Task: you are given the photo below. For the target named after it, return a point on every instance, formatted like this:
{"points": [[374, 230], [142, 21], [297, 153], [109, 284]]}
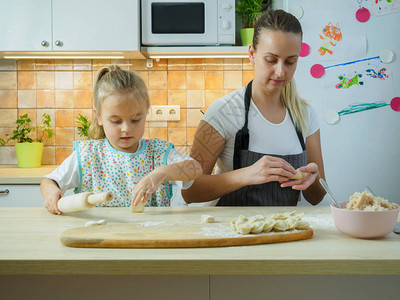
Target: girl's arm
{"points": [[207, 147], [51, 194], [183, 171]]}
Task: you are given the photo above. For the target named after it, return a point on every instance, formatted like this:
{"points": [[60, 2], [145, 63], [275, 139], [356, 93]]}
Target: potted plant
{"points": [[84, 124], [249, 11], [29, 151]]}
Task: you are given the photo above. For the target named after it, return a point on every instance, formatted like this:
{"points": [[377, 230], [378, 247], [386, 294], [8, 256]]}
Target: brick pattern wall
{"points": [[62, 88]]}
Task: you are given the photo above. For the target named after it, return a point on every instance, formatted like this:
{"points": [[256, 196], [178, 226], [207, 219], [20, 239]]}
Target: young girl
{"points": [[117, 159]]}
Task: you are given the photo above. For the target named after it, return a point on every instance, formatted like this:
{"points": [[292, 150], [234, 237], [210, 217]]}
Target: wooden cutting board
{"points": [[170, 235]]}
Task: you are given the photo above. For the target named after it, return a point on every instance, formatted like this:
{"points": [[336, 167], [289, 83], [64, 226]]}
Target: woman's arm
{"points": [[315, 193], [207, 146]]}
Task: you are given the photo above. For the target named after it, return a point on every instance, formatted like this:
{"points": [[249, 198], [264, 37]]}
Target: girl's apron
{"points": [[266, 194]]}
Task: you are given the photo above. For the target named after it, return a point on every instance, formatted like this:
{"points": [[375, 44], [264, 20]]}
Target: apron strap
{"points": [[299, 134], [242, 136]]}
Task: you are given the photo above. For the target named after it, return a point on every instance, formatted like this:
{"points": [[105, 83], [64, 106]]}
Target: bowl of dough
{"points": [[365, 216]]}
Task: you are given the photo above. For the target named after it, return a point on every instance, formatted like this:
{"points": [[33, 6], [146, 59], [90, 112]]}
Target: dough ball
{"points": [[292, 222], [298, 176], [281, 225], [257, 227], [241, 218], [256, 218], [302, 225], [268, 225], [244, 228], [139, 208], [207, 219]]}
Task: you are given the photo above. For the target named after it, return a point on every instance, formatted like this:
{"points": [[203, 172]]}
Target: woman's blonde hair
{"points": [[113, 80], [279, 20]]}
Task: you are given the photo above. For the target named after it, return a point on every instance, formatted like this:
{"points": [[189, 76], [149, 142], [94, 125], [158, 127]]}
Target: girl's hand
{"points": [[147, 186], [268, 168], [51, 202], [310, 174]]}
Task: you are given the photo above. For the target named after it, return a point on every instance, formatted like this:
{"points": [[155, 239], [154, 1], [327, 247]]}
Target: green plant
{"points": [[249, 11], [84, 124], [24, 127]]}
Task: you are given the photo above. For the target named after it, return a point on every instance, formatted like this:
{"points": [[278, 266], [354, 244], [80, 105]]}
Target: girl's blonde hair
{"points": [[113, 80], [279, 20]]}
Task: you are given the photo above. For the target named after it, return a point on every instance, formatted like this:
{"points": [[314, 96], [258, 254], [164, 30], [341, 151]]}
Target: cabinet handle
{"points": [[59, 43], [45, 43], [5, 192]]}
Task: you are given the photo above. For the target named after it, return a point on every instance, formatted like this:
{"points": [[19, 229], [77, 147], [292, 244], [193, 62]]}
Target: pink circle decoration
{"points": [[305, 50], [362, 15], [395, 104], [317, 70]]}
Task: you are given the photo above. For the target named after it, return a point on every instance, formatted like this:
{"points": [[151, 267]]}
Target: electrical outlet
{"points": [[164, 113], [158, 113], [173, 112]]}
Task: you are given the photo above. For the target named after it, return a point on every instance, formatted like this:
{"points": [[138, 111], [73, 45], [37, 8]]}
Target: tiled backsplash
{"points": [[63, 89]]}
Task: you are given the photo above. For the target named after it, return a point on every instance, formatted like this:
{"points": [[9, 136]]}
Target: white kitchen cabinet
{"points": [[25, 25], [74, 25], [22, 195]]}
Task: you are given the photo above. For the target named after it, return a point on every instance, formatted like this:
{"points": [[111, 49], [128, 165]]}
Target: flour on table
{"points": [[95, 223]]}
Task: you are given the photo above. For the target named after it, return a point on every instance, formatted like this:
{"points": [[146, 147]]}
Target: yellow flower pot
{"points": [[29, 155]]}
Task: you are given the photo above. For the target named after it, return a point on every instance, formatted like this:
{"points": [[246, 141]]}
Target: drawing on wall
{"points": [[332, 35], [346, 83], [379, 7], [377, 74]]}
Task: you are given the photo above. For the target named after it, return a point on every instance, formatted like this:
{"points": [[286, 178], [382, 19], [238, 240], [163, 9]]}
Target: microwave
{"points": [[188, 22]]}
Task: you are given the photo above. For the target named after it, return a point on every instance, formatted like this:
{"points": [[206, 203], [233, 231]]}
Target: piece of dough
{"points": [[281, 225], [276, 222], [302, 225], [244, 228], [257, 227], [139, 208], [207, 219], [256, 218], [298, 175], [95, 223], [268, 225], [292, 222]]}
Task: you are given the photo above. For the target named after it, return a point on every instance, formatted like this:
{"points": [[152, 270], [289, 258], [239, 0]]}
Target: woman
{"points": [[260, 135]]}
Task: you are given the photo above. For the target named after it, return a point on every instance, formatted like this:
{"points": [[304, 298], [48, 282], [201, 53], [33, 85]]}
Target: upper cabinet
{"points": [[69, 25]]}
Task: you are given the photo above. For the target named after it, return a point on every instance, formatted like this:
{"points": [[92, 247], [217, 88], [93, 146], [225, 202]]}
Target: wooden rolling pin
{"points": [[83, 201]]}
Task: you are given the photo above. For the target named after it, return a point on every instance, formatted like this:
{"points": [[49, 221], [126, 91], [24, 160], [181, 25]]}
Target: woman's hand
{"points": [[310, 174], [51, 202], [267, 169], [147, 186]]}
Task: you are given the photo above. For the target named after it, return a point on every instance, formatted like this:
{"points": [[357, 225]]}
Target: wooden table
{"points": [[29, 245]]}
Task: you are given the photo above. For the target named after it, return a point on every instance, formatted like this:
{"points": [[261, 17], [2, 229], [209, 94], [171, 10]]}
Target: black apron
{"points": [[266, 194]]}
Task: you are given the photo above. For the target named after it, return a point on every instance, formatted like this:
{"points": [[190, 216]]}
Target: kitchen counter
{"points": [[30, 245], [11, 174]]}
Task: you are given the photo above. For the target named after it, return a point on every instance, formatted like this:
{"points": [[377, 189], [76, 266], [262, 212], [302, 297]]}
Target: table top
{"points": [[11, 174], [29, 244]]}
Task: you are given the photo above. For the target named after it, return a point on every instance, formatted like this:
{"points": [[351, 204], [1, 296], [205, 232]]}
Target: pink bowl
{"points": [[364, 224]]}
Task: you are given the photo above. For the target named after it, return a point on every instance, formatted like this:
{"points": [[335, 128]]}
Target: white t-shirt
{"points": [[67, 174], [227, 116]]}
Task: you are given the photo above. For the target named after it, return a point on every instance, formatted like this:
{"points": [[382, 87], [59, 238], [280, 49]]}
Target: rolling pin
{"points": [[83, 201]]}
